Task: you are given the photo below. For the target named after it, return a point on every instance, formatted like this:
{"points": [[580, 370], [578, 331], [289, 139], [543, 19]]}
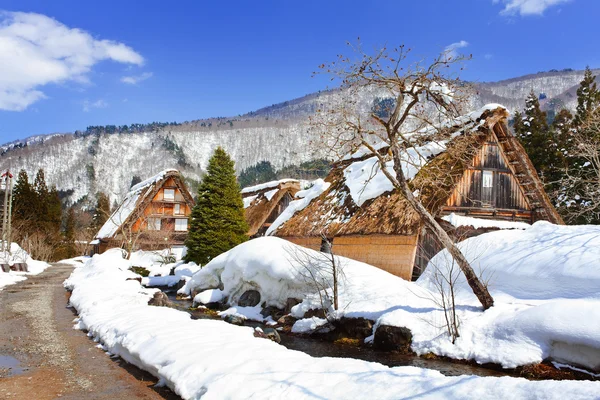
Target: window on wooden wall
{"points": [[487, 187], [154, 224], [181, 225], [177, 209], [169, 194]]}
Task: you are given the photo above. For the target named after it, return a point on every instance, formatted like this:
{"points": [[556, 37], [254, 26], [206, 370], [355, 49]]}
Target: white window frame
{"points": [[170, 197], [154, 224], [178, 222], [177, 209], [487, 179]]}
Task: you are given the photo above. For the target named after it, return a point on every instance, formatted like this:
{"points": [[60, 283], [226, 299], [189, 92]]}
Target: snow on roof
{"points": [[304, 197], [267, 185], [137, 192], [366, 180], [460, 220]]}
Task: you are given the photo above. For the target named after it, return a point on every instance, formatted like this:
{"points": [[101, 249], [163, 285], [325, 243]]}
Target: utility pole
{"points": [[7, 212]]}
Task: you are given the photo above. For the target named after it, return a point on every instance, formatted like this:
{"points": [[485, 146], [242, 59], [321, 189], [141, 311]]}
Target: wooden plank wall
{"points": [[505, 192], [394, 254]]}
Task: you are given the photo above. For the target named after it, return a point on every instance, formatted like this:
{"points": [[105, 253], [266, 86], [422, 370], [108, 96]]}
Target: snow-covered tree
{"points": [[588, 98]]}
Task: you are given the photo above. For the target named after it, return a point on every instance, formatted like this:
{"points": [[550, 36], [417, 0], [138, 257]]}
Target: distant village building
{"points": [[485, 182], [154, 213], [265, 202]]}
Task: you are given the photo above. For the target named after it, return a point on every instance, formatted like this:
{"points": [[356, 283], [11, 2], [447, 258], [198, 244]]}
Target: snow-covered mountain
{"points": [[81, 165]]}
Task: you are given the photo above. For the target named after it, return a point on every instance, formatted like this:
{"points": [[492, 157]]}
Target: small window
{"points": [[181, 225], [169, 194], [487, 179], [154, 224], [177, 209]]}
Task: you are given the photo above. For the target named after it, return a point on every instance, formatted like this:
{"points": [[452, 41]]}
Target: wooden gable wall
{"points": [[488, 188], [164, 208]]}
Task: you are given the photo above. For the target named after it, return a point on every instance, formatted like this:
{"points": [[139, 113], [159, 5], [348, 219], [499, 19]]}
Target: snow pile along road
{"points": [[18, 255], [214, 360]]}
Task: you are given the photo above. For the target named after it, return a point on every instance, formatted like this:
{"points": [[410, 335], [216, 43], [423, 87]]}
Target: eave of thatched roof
{"points": [[263, 202]]}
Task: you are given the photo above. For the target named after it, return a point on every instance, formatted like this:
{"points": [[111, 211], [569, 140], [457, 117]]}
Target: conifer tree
{"points": [[531, 128], [53, 218], [101, 212], [23, 199], [40, 205], [217, 222], [588, 97], [70, 233]]}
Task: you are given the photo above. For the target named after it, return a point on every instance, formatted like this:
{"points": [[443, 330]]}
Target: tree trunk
{"points": [[478, 288]]}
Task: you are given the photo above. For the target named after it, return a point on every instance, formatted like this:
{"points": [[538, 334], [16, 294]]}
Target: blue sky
{"points": [[66, 64]]}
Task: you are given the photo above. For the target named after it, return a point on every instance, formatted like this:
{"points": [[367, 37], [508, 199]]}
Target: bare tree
{"points": [[579, 190], [424, 100], [321, 270]]}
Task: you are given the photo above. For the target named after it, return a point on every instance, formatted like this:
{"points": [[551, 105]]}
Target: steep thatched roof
{"points": [[261, 200], [137, 199], [336, 212]]}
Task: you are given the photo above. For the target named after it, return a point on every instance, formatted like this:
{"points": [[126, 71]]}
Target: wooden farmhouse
{"points": [[154, 213], [265, 202], [479, 172]]}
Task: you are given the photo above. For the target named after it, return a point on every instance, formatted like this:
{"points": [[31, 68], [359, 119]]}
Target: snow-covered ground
{"points": [[18, 255], [544, 279], [213, 360]]}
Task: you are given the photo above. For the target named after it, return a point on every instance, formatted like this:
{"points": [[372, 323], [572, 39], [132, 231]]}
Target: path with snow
{"points": [[36, 328]]}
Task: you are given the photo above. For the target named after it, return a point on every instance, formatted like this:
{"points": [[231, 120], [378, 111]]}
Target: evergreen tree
{"points": [[259, 173], [101, 212], [70, 233], [23, 199], [217, 223], [531, 128], [41, 201], [588, 97], [53, 218]]}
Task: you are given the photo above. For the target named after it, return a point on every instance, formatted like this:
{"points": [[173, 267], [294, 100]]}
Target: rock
{"points": [[392, 338], [286, 320], [315, 312], [356, 328], [249, 298], [160, 299], [180, 284], [234, 319], [267, 333], [272, 311], [139, 279], [291, 302]]}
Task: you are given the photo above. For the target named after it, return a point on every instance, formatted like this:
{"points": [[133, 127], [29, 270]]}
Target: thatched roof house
{"points": [[265, 202], [479, 169], [154, 212]]}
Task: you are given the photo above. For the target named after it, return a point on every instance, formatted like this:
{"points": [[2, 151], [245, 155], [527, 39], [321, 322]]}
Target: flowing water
{"points": [[320, 348]]}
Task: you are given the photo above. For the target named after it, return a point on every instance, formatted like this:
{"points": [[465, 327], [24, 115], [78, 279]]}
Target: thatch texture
{"points": [[335, 214], [263, 205]]}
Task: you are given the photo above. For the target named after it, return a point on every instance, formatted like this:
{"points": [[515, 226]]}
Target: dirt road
{"points": [[55, 360]]}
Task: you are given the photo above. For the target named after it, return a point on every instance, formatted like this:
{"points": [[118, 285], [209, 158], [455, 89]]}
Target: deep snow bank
{"points": [[545, 281], [214, 360], [18, 255], [544, 261]]}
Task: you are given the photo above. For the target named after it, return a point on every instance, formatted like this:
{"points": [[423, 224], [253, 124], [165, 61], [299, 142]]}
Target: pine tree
{"points": [[101, 212], [23, 199], [588, 98], [40, 205], [217, 223], [531, 128], [53, 218], [70, 233]]}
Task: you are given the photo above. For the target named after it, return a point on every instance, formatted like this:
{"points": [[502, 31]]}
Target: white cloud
{"points": [[451, 51], [134, 80], [87, 105], [527, 7], [36, 50]]}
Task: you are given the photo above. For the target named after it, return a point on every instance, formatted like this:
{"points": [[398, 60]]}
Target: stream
{"points": [[319, 348]]}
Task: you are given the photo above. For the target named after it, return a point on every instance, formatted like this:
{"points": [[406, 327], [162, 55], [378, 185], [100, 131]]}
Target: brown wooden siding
{"points": [[392, 253], [489, 164]]}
